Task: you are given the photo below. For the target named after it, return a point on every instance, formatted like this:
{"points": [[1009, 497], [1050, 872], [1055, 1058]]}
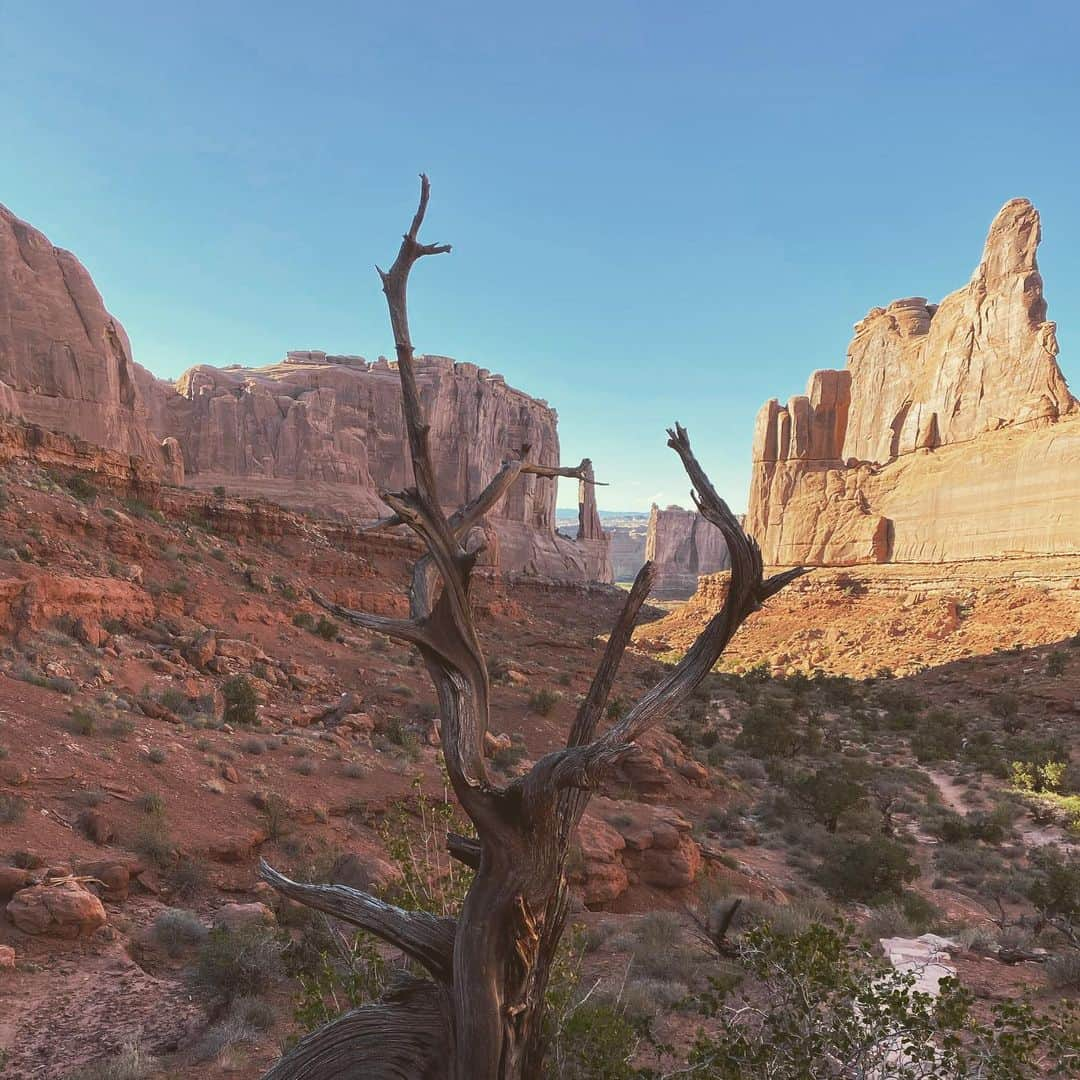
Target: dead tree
{"points": [[478, 1013]]}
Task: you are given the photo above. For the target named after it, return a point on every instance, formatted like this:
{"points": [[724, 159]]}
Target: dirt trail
{"points": [[1031, 834]]}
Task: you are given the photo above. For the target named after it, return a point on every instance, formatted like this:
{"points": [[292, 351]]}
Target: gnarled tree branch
{"points": [[406, 1036], [421, 936]]}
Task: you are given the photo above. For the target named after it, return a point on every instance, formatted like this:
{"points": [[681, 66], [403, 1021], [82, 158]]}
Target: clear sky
{"points": [[658, 211]]}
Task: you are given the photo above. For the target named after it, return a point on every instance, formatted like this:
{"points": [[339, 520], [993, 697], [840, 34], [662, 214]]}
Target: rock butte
{"points": [[951, 435], [316, 432], [683, 545]]}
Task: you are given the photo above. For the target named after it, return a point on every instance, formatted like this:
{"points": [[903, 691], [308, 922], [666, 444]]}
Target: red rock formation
{"points": [[931, 445], [65, 362], [314, 431], [683, 545]]}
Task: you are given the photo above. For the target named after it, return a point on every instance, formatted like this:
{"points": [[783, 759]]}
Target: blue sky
{"points": [[659, 212]]}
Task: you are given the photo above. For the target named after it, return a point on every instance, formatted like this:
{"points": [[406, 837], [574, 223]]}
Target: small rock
{"points": [[7, 958]]}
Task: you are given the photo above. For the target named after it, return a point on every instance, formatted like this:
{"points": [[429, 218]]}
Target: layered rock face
{"points": [[683, 545], [65, 362], [316, 432], [950, 435], [325, 433]]}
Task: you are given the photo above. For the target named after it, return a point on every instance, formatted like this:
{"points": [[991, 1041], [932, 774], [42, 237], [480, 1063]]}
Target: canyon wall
{"points": [[683, 545], [65, 362], [315, 432], [950, 435]]}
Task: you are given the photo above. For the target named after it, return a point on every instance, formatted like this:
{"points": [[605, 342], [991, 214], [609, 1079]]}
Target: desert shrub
{"points": [[786, 919], [121, 727], [413, 833], [543, 701], [939, 736], [1038, 777], [241, 702], [153, 841], [829, 793], [969, 863], [822, 1006], [131, 1062], [304, 620], [1004, 705], [176, 930], [151, 803], [82, 721], [12, 808], [186, 877], [253, 746], [81, 488], [157, 755], [326, 628], [588, 1036], [769, 732], [278, 815], [1063, 972], [1055, 885], [238, 963], [340, 976], [657, 946], [867, 870], [1055, 664]]}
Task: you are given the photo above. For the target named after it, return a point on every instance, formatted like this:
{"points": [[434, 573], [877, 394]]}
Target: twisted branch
{"points": [[421, 936]]}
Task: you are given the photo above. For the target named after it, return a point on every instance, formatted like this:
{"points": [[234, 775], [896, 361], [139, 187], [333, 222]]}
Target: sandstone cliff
{"points": [[950, 435], [683, 545], [315, 432], [65, 362]]}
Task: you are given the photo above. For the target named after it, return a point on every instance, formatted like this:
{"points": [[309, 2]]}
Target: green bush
{"points": [[1055, 664], [326, 628], [241, 703], [867, 871], [823, 1007], [543, 701], [769, 732], [828, 794], [238, 963], [176, 930]]}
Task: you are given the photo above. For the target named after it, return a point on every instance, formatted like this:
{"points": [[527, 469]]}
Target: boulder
{"points": [[12, 879], [96, 826], [235, 917], [364, 870], [600, 873], [65, 910], [111, 878]]}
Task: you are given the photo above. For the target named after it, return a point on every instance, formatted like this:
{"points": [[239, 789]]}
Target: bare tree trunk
{"points": [[479, 1014]]}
